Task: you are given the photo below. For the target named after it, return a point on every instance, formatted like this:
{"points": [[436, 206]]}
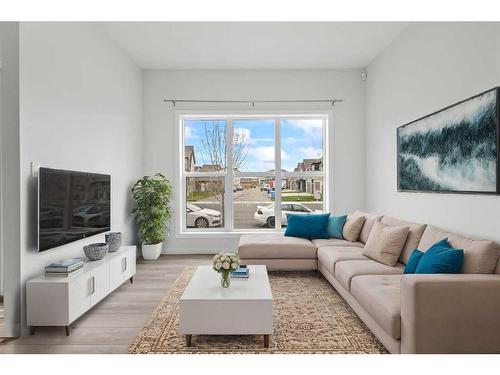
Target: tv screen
{"points": [[71, 206]]}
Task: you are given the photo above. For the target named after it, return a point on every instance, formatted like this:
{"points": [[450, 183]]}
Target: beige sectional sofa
{"points": [[457, 313]]}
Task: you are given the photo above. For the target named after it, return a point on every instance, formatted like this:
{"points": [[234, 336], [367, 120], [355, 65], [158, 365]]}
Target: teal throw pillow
{"points": [[441, 258], [335, 226], [412, 264], [312, 226]]}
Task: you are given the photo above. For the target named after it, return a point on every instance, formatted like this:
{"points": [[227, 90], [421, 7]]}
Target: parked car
{"points": [[198, 217], [265, 214]]}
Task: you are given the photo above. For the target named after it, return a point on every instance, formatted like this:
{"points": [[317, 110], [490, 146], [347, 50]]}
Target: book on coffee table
{"points": [[243, 272]]}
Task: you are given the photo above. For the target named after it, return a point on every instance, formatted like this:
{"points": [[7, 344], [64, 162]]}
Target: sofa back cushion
{"points": [[385, 243], [480, 256], [370, 219], [415, 232]]}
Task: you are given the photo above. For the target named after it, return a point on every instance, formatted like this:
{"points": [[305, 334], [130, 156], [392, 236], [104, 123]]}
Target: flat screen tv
{"points": [[71, 206]]}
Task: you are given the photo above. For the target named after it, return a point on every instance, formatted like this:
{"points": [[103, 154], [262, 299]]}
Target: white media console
{"points": [[59, 301]]}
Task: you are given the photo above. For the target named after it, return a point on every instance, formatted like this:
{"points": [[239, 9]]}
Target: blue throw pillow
{"points": [[307, 226], [412, 264], [335, 226], [441, 258]]}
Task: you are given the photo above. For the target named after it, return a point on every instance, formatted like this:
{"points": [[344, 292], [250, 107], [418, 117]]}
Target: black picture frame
{"points": [[497, 120]]}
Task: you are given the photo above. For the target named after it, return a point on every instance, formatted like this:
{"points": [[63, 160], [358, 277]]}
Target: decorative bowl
{"points": [[114, 241], [96, 251]]}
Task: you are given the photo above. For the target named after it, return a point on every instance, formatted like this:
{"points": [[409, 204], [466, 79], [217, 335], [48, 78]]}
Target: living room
{"points": [[249, 187]]}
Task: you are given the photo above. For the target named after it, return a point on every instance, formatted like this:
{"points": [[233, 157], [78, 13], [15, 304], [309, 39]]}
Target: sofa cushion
{"points": [[336, 226], [415, 233], [307, 226], [370, 219], [352, 227], [328, 256], [412, 264], [275, 245], [385, 243], [480, 256], [346, 270], [337, 242], [441, 258], [380, 296]]}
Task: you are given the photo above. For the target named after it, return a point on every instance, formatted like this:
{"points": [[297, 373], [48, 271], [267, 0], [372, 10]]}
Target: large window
{"points": [[246, 173]]}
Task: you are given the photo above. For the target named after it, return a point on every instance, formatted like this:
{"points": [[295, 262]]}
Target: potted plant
{"points": [[152, 195]]}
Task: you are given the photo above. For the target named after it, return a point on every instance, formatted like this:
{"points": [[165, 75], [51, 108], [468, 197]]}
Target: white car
{"points": [[265, 214], [202, 217]]}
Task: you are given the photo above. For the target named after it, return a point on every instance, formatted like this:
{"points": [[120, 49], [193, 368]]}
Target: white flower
{"points": [[226, 261]]}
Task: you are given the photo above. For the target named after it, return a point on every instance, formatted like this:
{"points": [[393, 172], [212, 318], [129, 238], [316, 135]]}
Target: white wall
{"points": [[428, 67], [347, 168], [1, 147], [81, 109], [10, 196]]}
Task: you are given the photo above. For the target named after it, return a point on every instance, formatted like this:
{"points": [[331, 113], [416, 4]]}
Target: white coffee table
{"points": [[245, 308]]}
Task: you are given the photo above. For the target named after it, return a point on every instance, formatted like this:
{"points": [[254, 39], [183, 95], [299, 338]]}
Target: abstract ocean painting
{"points": [[452, 150]]}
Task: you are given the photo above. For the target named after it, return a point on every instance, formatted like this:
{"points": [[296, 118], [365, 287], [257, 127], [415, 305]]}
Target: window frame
{"points": [[227, 230]]}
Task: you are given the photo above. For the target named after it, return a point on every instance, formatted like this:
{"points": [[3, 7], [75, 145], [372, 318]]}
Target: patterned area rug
{"points": [[309, 317]]}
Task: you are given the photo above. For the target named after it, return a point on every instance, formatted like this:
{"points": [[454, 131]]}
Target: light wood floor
{"points": [[112, 325]]}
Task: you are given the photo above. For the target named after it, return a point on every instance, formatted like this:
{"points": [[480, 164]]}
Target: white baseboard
{"points": [[13, 329], [190, 251]]}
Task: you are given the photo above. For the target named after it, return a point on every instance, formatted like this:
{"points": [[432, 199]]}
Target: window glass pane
{"points": [[205, 202], [253, 145], [301, 195], [253, 206], [302, 145], [205, 145]]}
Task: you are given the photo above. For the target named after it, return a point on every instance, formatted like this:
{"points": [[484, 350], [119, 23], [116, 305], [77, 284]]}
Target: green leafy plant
{"points": [[152, 195]]}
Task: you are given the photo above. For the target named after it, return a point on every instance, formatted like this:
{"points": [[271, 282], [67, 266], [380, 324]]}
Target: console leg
{"points": [[33, 330], [132, 280], [266, 341], [67, 330], [188, 340]]}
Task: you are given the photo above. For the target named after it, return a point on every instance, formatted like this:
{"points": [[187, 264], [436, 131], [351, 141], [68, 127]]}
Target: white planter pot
{"points": [[151, 252]]}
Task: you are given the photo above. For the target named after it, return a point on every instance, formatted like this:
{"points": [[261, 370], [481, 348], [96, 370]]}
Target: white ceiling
{"points": [[253, 45]]}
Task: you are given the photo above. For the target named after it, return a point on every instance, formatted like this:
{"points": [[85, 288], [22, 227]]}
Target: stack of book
{"points": [[65, 267], [242, 272]]}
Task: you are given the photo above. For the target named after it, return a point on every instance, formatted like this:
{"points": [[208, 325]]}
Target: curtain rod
{"points": [[252, 102]]}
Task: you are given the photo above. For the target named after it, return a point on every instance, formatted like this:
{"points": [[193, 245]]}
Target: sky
{"points": [[300, 139]]}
